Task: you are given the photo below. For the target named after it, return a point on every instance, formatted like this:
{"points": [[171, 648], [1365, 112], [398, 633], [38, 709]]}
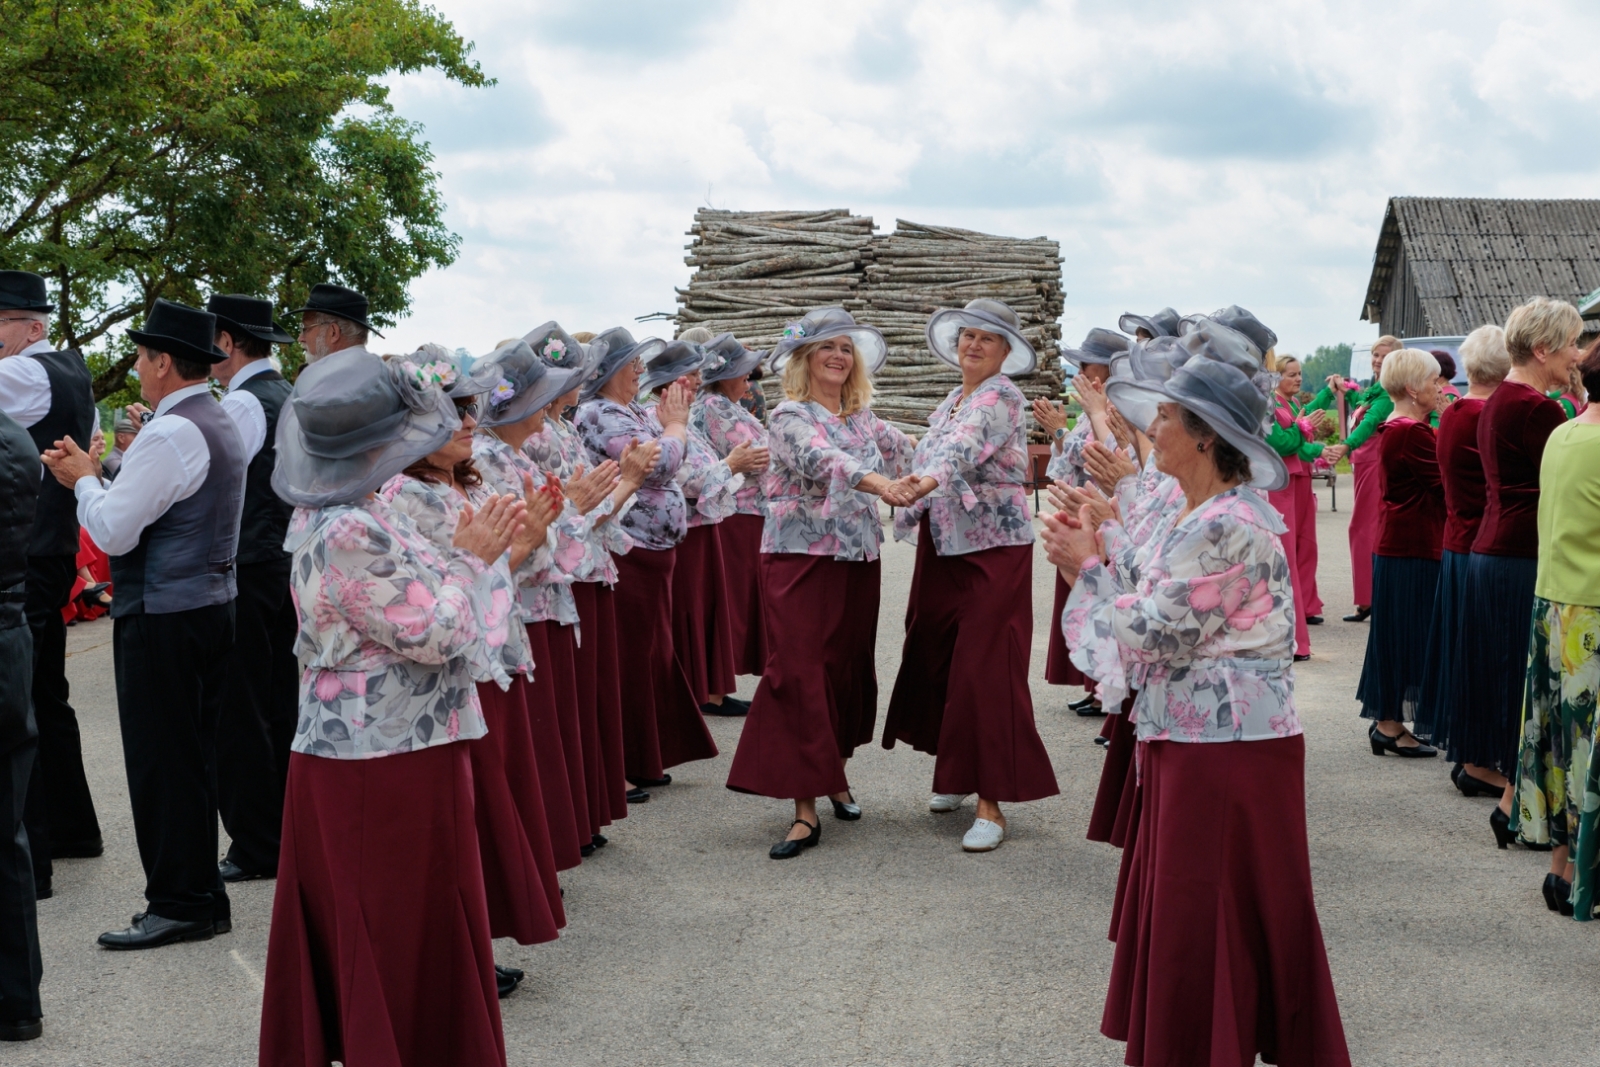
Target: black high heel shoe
{"points": [[788, 849], [1382, 743], [1477, 787], [1556, 891], [1500, 823], [847, 810]]}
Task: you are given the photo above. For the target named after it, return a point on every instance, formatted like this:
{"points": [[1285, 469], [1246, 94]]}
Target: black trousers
{"points": [[19, 930], [169, 689], [260, 706], [60, 811]]}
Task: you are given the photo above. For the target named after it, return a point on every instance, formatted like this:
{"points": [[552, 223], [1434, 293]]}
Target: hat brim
{"points": [[363, 323], [27, 307], [274, 334], [614, 360], [1131, 324], [1140, 400], [1080, 359], [871, 348], [655, 377], [734, 368], [556, 381], [177, 347], [944, 333]]}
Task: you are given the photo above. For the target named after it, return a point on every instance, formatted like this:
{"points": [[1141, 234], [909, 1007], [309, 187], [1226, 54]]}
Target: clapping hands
{"points": [[1070, 539], [1049, 415], [748, 459], [1107, 467], [587, 490], [488, 531], [673, 406]]}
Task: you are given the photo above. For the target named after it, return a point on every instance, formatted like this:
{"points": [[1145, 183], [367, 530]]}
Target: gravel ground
{"points": [[888, 944]]}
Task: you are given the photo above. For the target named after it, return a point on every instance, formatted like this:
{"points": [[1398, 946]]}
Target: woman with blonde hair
{"points": [[831, 459], [1542, 341]]}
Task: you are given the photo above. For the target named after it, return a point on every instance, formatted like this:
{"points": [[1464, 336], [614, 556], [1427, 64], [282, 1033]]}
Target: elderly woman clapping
{"points": [[962, 691], [1219, 879]]}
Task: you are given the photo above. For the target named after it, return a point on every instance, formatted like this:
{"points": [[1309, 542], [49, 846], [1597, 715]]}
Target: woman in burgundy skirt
{"points": [[832, 458], [1219, 953], [662, 726], [962, 691], [380, 937]]}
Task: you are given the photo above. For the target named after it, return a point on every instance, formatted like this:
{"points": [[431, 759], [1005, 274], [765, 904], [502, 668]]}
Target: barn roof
{"points": [[1473, 261]]}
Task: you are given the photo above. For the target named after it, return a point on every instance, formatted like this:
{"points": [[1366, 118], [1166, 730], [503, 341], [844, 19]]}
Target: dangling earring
{"points": [[1199, 448]]}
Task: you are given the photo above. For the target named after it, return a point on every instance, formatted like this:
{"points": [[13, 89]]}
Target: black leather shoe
{"points": [[232, 872], [1382, 743], [506, 981], [77, 850], [1298, 658], [1505, 836], [152, 931], [42, 889], [1477, 787], [637, 796], [1313, 620], [1079, 705], [515, 973], [847, 810], [1102, 740], [1093, 711], [585, 851], [1359, 615], [731, 707], [1556, 891], [218, 926], [786, 849], [20, 1029], [650, 783], [599, 840]]}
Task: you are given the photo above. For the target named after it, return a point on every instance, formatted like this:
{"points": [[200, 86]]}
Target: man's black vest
{"points": [[19, 495], [266, 516], [185, 558], [71, 414]]}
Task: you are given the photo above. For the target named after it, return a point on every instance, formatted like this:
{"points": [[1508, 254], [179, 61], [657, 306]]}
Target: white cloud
{"points": [[1194, 155]]}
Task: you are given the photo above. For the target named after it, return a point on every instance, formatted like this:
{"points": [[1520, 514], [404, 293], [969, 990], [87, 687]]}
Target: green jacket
{"points": [[1288, 441], [1379, 407]]}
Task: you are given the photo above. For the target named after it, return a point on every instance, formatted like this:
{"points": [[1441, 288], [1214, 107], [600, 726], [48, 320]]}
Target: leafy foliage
{"points": [[175, 148], [1329, 359]]}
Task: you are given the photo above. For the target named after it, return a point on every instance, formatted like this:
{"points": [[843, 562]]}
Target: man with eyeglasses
{"points": [[333, 320], [48, 392]]}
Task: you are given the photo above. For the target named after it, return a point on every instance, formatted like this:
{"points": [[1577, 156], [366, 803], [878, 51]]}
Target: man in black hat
{"points": [[260, 694], [170, 523], [49, 394], [334, 319]]}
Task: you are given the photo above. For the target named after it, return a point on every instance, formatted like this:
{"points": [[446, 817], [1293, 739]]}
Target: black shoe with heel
{"points": [[1477, 787], [847, 810], [1081, 705], [1382, 743], [1556, 891], [788, 849], [1359, 615]]}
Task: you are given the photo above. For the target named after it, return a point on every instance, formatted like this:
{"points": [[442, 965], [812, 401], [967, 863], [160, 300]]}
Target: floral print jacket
{"points": [[659, 516], [558, 449], [544, 581], [392, 632], [978, 453], [813, 507], [725, 426], [1067, 464], [1209, 622], [710, 488]]}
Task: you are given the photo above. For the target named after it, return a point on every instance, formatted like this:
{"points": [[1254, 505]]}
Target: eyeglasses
{"points": [[467, 408], [17, 318]]}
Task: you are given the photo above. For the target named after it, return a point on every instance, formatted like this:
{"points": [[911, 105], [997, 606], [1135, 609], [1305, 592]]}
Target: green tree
{"points": [[175, 148], [1329, 359]]}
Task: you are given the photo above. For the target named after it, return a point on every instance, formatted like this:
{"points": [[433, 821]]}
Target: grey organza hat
{"points": [[1240, 321], [619, 350], [822, 324], [434, 364], [1098, 347], [353, 422], [1224, 397], [524, 383], [727, 359], [669, 364], [992, 316], [1154, 360], [1163, 323], [556, 347]]}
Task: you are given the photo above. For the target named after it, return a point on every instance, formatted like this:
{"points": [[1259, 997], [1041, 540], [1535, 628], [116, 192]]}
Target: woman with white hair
{"points": [[961, 694], [1461, 469], [1542, 341], [1217, 894], [832, 460], [1405, 565]]}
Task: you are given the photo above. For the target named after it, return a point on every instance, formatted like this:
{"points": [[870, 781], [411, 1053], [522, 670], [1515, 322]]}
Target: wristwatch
{"points": [[1061, 433]]}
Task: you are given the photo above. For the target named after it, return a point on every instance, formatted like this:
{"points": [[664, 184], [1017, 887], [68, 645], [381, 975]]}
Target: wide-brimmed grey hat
{"points": [[1146, 361], [524, 383], [991, 316], [556, 347], [1214, 340], [672, 362], [727, 359], [620, 350], [1163, 323], [353, 422], [1098, 347], [1224, 397], [820, 324], [434, 364], [1241, 321]]}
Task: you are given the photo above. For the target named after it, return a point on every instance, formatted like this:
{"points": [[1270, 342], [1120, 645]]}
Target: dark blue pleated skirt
{"points": [[1403, 590], [1498, 608], [1446, 659]]}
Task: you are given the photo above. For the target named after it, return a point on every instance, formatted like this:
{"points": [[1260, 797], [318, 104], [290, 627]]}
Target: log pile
{"points": [[755, 271]]}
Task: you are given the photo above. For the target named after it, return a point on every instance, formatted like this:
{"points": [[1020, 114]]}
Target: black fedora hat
{"points": [[23, 291], [180, 331], [333, 299], [248, 314]]}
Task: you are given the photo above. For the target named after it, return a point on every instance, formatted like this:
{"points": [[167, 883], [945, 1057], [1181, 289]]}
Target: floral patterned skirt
{"points": [[1557, 780]]}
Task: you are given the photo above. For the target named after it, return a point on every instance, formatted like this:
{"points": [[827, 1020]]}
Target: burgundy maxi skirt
{"points": [[1365, 514], [741, 573], [564, 666], [379, 952], [1113, 800], [517, 867], [661, 722], [962, 691], [600, 700], [1058, 666], [818, 698], [544, 722], [1220, 954], [701, 638]]}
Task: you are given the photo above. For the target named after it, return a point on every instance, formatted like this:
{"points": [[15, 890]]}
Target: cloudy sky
{"points": [[1188, 154]]}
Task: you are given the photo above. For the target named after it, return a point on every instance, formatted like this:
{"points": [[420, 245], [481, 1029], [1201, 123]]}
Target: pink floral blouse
{"points": [[392, 632], [1208, 624], [658, 519], [725, 426], [558, 450], [544, 581], [813, 507], [1067, 464], [710, 488], [978, 453]]}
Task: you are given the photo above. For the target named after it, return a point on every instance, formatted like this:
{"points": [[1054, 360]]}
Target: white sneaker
{"points": [[943, 802], [985, 836]]}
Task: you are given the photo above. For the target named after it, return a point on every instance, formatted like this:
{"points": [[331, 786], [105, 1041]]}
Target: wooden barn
{"points": [[1445, 266]]}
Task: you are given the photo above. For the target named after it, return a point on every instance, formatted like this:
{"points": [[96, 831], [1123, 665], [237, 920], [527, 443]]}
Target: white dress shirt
{"points": [[25, 387], [166, 463], [245, 410]]}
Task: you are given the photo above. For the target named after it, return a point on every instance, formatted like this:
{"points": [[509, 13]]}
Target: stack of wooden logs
{"points": [[755, 271]]}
